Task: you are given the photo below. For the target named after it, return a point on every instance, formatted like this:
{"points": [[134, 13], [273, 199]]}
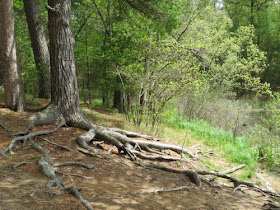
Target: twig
{"points": [[78, 175], [229, 171], [164, 190], [20, 164], [110, 150], [73, 163], [92, 154], [4, 127], [194, 146], [267, 183], [63, 147], [36, 190]]}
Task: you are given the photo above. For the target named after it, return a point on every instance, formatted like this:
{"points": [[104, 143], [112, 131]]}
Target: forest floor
{"points": [[114, 183]]}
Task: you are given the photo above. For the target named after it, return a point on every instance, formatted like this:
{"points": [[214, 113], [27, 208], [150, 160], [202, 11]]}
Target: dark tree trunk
{"points": [[39, 45], [118, 101], [14, 95], [64, 91]]}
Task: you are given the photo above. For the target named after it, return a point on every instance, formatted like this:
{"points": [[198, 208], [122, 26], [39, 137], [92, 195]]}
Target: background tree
{"points": [[39, 46], [264, 16], [14, 95]]}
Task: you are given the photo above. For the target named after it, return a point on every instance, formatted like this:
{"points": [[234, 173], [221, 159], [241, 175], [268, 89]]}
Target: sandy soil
{"points": [[114, 183]]}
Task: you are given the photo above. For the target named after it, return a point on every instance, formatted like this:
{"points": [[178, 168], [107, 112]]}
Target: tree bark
{"points": [[14, 95], [39, 46], [64, 91]]}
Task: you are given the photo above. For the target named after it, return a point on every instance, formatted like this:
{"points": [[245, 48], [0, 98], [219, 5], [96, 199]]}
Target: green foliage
{"points": [[264, 16], [266, 135], [24, 52], [236, 149]]}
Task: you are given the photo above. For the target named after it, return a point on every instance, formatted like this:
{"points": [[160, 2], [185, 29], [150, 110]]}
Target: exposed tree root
{"points": [[76, 192], [30, 135], [156, 157], [238, 182], [50, 115], [84, 140], [194, 177], [46, 168], [116, 137], [132, 134]]}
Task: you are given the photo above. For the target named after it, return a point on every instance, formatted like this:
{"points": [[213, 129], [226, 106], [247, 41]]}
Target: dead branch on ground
{"points": [[88, 166], [164, 190], [53, 143]]}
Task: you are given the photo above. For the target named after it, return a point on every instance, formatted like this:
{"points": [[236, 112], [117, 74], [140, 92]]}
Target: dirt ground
{"points": [[114, 183]]}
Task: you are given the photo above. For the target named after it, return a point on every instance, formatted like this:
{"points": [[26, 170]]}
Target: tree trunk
{"points": [[39, 45], [64, 91], [14, 95]]}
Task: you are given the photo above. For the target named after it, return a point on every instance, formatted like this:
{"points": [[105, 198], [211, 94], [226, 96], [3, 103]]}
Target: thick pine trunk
{"points": [[39, 46], [14, 95], [64, 91]]}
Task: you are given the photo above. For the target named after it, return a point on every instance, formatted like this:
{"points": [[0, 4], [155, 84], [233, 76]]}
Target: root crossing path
{"points": [[119, 149]]}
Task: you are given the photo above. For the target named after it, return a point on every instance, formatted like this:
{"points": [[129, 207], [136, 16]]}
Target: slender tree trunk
{"points": [[39, 45], [14, 95], [64, 91]]}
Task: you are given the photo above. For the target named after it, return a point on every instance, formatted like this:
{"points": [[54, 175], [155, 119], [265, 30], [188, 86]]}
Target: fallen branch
{"points": [[73, 163], [53, 143], [164, 190], [267, 183], [229, 171]]}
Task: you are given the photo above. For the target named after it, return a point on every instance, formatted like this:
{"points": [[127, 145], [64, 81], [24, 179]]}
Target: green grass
{"points": [[235, 149]]}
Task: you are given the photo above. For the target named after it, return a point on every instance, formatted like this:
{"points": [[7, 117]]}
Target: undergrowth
{"points": [[236, 149]]}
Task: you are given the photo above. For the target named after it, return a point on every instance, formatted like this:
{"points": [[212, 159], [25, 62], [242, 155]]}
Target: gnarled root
{"points": [[45, 166], [237, 182], [29, 136], [84, 140], [194, 177]]}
